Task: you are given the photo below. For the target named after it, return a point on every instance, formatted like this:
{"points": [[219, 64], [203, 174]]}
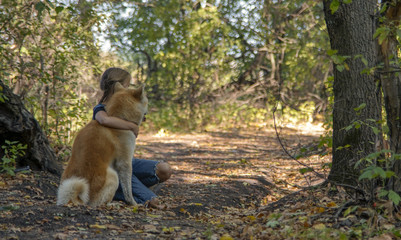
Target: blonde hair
{"points": [[109, 78]]}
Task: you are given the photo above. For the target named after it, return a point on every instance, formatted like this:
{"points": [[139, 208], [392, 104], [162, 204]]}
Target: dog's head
{"points": [[128, 104]]}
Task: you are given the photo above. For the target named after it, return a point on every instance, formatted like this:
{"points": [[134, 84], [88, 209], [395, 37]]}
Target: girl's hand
{"points": [[135, 129]]}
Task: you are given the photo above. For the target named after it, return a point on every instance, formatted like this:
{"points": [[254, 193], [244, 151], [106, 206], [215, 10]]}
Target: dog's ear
{"points": [[139, 93], [118, 87]]}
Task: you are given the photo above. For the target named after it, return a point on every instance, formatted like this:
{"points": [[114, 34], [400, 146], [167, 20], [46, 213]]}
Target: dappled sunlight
{"points": [[247, 156], [307, 128]]}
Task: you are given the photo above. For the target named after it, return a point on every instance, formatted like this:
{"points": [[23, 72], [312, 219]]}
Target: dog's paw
{"points": [[132, 202]]}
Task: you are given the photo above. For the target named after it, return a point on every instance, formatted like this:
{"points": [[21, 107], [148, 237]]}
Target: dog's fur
{"points": [[101, 155]]}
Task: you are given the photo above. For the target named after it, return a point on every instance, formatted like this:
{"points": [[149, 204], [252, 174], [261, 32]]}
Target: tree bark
{"points": [[18, 124], [351, 30]]}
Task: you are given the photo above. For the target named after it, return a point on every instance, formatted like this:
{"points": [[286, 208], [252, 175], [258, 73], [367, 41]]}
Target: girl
{"points": [[145, 173]]}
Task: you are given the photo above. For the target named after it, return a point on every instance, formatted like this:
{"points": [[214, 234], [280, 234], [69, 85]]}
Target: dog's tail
{"points": [[73, 190]]}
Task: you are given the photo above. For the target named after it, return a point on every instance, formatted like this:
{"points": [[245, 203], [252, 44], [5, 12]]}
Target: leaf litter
{"points": [[236, 184]]}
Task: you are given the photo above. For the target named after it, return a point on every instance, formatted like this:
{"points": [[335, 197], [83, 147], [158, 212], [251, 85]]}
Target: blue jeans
{"points": [[143, 177]]}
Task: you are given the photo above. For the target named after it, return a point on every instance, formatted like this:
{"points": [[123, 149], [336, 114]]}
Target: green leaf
{"points": [[360, 107], [347, 128], [347, 1], [378, 32], [366, 174], [398, 31], [59, 9], [382, 34], [350, 210], [379, 172], [383, 37], [10, 172], [305, 170], [331, 52], [383, 193], [364, 61], [272, 223], [394, 197], [375, 130], [390, 174], [40, 7], [6, 160], [340, 68], [334, 5]]}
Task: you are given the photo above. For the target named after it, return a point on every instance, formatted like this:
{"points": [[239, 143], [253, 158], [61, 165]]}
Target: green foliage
{"points": [[305, 170], [190, 52], [382, 33], [173, 117], [379, 167], [338, 60], [3, 98], [173, 32], [376, 167], [391, 195], [50, 53], [12, 151]]}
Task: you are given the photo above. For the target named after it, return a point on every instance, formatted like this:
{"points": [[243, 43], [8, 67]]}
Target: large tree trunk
{"points": [[18, 124], [351, 30]]}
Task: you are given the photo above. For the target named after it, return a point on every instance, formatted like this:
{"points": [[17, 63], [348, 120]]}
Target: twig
{"points": [[286, 151], [340, 209]]}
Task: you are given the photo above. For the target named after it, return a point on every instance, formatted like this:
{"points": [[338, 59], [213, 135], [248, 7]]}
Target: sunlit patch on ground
{"points": [[246, 155]]}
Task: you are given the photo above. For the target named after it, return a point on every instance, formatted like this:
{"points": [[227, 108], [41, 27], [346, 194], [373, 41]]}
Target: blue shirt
{"points": [[98, 108]]}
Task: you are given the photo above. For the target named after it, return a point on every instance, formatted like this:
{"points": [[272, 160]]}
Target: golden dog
{"points": [[101, 155]]}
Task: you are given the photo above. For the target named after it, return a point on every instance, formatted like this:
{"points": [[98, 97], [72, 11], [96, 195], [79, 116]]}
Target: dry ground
{"points": [[226, 185]]}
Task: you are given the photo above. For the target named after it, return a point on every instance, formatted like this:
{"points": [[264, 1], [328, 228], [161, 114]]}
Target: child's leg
{"points": [[151, 172], [140, 192]]}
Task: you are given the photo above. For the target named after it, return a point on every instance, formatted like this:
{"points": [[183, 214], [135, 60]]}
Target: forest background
{"points": [[206, 65], [221, 63]]}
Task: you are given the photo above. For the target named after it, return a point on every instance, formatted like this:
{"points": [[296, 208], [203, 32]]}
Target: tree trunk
{"points": [[351, 30], [391, 84], [18, 124]]}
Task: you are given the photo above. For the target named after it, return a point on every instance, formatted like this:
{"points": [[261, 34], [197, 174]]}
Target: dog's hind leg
{"points": [[108, 190]]}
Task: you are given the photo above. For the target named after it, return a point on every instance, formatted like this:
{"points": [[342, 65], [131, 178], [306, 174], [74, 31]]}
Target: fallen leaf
{"points": [[197, 204], [331, 204], [252, 218], [97, 226], [60, 236], [149, 228], [168, 230], [226, 236], [112, 227], [319, 226]]}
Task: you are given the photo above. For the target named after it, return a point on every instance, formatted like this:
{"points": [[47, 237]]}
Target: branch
{"points": [[286, 151]]}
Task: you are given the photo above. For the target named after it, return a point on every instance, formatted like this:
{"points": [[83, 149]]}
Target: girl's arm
{"points": [[113, 122]]}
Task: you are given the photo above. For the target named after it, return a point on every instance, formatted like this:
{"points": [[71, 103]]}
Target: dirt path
{"points": [[222, 182]]}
